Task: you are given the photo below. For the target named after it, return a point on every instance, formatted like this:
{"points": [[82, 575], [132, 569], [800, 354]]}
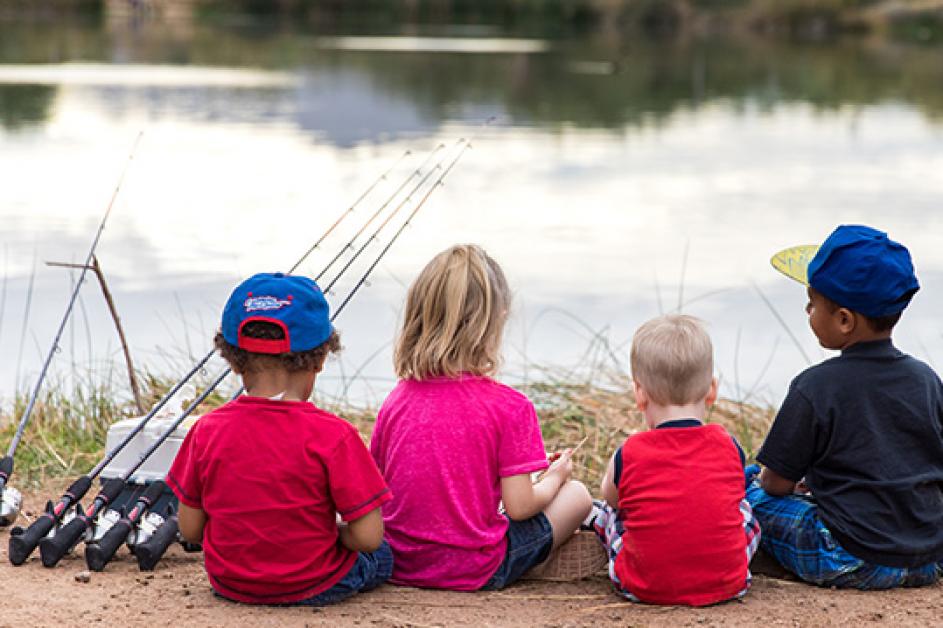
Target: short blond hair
{"points": [[454, 317], [673, 360]]}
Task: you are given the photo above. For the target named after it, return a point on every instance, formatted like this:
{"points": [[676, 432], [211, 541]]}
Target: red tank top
{"points": [[679, 500]]}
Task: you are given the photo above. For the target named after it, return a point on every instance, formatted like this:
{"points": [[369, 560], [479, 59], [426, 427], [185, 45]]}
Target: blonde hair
{"points": [[454, 317], [673, 360]]}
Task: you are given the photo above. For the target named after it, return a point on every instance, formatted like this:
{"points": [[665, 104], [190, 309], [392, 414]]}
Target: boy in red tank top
{"points": [[675, 523], [263, 479]]}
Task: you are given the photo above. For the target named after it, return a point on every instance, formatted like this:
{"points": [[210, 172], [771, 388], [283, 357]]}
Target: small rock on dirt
{"points": [[83, 577]]}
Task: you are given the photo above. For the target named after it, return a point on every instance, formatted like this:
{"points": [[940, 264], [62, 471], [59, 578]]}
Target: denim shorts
{"points": [[529, 544], [370, 571]]}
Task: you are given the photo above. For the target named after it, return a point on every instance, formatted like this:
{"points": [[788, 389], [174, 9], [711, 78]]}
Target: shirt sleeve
{"points": [[184, 475], [790, 445], [355, 482], [521, 447]]}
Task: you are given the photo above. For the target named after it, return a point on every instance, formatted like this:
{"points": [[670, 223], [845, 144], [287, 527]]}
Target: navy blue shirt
{"points": [[865, 429], [617, 457]]}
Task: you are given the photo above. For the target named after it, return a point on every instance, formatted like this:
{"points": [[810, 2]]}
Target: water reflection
{"points": [[624, 179], [26, 104], [590, 82]]}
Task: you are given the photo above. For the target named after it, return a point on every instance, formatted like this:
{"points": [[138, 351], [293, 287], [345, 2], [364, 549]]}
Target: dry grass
{"points": [[67, 432], [605, 412]]}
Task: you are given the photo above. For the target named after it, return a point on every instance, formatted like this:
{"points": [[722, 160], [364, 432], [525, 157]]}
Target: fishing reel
{"points": [[104, 522], [10, 503], [143, 531]]}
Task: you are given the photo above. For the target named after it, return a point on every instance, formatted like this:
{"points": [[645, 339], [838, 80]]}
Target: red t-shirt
{"points": [[679, 500], [270, 476]]}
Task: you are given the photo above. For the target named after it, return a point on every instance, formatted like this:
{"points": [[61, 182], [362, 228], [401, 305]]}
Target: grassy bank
{"points": [[66, 434]]}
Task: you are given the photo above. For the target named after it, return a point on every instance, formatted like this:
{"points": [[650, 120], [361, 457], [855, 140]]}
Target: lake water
{"points": [[621, 178]]}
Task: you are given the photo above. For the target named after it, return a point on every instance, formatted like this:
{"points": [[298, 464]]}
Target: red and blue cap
{"points": [[857, 267], [294, 303]]}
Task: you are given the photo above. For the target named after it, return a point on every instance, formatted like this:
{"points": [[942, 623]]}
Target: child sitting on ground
{"points": [[675, 523], [453, 442], [262, 479], [864, 430]]}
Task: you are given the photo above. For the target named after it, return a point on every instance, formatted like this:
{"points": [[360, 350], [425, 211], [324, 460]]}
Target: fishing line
{"points": [[22, 543], [6, 464], [53, 549]]}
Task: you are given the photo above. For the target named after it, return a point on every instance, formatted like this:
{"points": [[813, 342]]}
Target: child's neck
{"points": [[279, 384], [656, 414], [866, 336]]}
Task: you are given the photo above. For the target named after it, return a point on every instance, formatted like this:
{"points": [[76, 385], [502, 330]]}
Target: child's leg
{"points": [[795, 536], [531, 541], [568, 510], [609, 529]]}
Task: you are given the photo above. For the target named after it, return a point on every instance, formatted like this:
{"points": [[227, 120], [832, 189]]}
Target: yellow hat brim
{"points": [[794, 262]]}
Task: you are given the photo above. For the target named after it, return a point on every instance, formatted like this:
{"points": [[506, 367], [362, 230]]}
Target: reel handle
{"points": [[97, 555], [53, 549], [150, 551], [24, 540]]}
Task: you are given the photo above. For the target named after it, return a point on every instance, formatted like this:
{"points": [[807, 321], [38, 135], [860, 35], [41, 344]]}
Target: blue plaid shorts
{"points": [[795, 536]]}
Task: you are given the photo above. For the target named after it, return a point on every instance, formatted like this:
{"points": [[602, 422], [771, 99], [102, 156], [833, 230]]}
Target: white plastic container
{"points": [[158, 464]]}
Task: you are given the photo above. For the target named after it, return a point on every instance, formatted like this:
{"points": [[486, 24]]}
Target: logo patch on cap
{"points": [[265, 303]]}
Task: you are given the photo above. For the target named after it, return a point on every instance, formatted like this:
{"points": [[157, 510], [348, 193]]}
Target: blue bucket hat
{"points": [[857, 267], [294, 303]]}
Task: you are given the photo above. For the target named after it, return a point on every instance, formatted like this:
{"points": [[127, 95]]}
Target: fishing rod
{"points": [[149, 551], [24, 541], [53, 548], [353, 239], [10, 503]]}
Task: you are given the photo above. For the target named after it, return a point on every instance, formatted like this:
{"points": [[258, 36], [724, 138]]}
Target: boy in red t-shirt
{"points": [[676, 525], [263, 479]]}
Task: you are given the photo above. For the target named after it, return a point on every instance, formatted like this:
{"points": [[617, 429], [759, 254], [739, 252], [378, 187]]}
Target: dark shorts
{"points": [[529, 544], [369, 571]]}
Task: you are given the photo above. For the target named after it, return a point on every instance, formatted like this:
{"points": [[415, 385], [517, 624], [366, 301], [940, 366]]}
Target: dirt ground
{"points": [[177, 593]]}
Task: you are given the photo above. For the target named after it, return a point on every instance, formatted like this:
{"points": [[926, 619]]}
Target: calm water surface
{"points": [[621, 179]]}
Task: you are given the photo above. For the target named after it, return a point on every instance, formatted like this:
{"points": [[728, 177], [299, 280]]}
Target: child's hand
{"points": [[562, 466]]}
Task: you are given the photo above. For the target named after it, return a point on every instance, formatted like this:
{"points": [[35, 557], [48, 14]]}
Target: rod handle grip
{"points": [[151, 494], [6, 470], [97, 555], [53, 549], [150, 552], [24, 540]]}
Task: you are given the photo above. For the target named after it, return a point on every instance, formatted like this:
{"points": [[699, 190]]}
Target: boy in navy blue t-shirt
{"points": [[863, 431]]}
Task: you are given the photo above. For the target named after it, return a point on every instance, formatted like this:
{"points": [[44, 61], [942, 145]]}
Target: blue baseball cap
{"points": [[294, 303], [857, 267]]}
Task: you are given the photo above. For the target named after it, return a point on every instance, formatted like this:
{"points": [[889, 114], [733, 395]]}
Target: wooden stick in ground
{"points": [[132, 377]]}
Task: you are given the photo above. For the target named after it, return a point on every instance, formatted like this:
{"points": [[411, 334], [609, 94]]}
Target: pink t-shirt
{"points": [[443, 445]]}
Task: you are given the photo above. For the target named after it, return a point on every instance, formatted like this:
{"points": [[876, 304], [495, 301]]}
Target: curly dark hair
{"points": [[243, 361]]}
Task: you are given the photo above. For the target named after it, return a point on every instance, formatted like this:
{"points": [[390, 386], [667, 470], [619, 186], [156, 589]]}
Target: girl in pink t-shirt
{"points": [[453, 443]]}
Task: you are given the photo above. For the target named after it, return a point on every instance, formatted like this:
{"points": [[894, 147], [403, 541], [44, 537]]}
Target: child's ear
{"points": [[847, 320], [711, 397], [641, 397]]}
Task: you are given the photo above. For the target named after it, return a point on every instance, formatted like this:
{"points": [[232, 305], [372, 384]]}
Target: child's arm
{"points": [[523, 499], [363, 534], [775, 484], [608, 488], [191, 522]]}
